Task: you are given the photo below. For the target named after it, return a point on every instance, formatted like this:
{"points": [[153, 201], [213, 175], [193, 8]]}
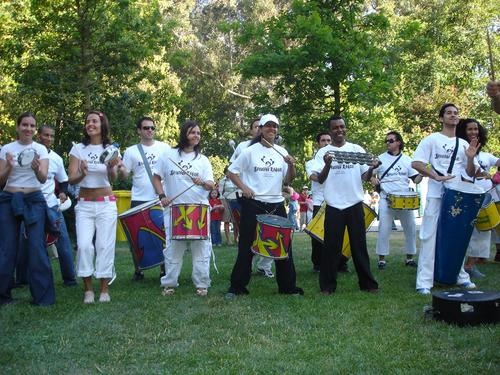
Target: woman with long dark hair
{"points": [[187, 179], [96, 212], [23, 169]]}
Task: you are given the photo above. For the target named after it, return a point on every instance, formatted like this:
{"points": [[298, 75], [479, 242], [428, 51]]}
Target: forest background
{"points": [[382, 64]]}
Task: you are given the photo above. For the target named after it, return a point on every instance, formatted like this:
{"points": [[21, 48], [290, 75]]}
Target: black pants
{"points": [[335, 222], [317, 246], [242, 270]]}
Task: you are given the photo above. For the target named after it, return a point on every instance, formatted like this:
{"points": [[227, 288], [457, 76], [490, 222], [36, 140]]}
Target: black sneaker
{"points": [[381, 264], [410, 263]]}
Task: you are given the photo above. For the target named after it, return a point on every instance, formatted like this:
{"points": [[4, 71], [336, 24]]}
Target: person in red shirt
{"points": [[216, 211], [303, 206]]}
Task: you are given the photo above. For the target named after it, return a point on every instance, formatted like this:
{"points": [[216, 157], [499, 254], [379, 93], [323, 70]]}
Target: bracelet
{"points": [[161, 196]]}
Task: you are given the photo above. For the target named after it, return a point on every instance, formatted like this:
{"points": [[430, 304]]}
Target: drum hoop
{"points": [[288, 224], [397, 194], [136, 209], [374, 213]]}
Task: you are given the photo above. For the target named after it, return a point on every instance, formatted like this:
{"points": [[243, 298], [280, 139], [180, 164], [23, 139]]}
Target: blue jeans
{"points": [[215, 232], [31, 209]]}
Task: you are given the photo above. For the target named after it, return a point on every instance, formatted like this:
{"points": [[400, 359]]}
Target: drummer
{"points": [[184, 167], [479, 245], [96, 212], [140, 160], [264, 265], [343, 193], [22, 200], [58, 173], [259, 172], [396, 170], [437, 149]]}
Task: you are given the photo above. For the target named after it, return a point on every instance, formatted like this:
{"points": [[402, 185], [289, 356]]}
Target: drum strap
{"points": [[145, 161], [452, 161], [392, 165]]}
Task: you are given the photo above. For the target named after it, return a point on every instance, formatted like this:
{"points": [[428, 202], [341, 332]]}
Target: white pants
{"points": [[479, 245], [201, 251], [428, 230], [97, 218], [386, 216], [264, 263]]}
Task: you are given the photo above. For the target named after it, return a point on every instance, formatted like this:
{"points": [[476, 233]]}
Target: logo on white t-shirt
{"points": [[448, 151], [268, 163], [186, 167], [151, 158], [93, 158]]}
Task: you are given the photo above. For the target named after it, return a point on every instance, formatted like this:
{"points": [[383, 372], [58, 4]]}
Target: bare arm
{"points": [[41, 168], [421, 168], [77, 170], [6, 167], [326, 169], [290, 173]]}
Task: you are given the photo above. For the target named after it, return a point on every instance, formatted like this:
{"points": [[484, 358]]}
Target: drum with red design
{"points": [[273, 236], [190, 222]]}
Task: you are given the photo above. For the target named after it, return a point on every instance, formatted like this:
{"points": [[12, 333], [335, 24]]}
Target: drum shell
{"points": [[190, 222], [316, 229], [273, 237], [488, 216], [464, 307], [143, 225], [454, 229], [403, 201]]}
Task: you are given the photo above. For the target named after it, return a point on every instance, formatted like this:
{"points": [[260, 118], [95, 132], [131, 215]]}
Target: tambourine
{"points": [[110, 153], [26, 156]]}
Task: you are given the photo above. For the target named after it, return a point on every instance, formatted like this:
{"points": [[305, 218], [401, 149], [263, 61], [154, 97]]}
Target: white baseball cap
{"points": [[268, 118]]}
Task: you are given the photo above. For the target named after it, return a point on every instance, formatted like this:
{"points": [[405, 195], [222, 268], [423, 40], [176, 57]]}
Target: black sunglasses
{"points": [[390, 140], [148, 128]]}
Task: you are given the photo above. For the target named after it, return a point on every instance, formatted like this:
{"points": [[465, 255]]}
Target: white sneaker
{"points": [[104, 297], [88, 297], [468, 285]]}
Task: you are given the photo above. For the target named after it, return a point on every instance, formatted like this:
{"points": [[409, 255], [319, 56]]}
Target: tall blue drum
{"points": [[460, 204]]}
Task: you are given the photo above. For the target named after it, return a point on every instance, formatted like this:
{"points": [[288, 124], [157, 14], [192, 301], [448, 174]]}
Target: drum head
{"points": [[26, 157], [139, 208], [64, 206], [275, 221], [464, 187]]}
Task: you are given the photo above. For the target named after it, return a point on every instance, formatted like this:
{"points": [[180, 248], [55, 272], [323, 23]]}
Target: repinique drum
{"points": [[404, 200], [460, 204], [316, 227], [111, 152], [488, 216], [143, 225], [190, 222], [273, 236]]}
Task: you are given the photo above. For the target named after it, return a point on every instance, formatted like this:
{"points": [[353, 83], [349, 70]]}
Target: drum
{"points": [[404, 200], [273, 236], [460, 205], [316, 227], [26, 156], [488, 216], [145, 231], [190, 222], [110, 153]]}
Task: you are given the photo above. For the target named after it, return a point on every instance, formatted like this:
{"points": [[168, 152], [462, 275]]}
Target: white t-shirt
{"points": [[437, 150], [142, 188], [343, 187], [398, 176], [316, 187], [97, 176], [23, 176], [262, 169], [239, 149], [486, 161], [56, 172], [175, 181]]}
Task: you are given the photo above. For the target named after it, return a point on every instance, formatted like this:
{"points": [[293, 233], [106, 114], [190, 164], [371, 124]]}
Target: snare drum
{"points": [[460, 205], [145, 231], [190, 222], [110, 153], [26, 156], [316, 227], [404, 200], [273, 236], [488, 216]]}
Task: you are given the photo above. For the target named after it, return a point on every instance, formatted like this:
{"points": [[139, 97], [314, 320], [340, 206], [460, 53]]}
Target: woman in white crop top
{"points": [[22, 201], [96, 212]]}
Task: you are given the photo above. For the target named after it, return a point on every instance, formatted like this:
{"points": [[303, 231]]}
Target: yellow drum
{"points": [[404, 200], [316, 227], [488, 216]]}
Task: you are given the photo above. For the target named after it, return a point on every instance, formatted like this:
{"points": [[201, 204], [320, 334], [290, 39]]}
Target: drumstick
{"points": [[274, 148], [182, 192], [490, 55]]}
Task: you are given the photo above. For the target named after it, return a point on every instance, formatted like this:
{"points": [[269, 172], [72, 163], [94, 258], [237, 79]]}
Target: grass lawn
{"points": [[349, 332]]}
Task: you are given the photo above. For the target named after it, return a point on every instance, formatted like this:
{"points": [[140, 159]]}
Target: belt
{"points": [[107, 198]]}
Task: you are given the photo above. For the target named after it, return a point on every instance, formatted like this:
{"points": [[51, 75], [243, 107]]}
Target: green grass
{"points": [[349, 332]]}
